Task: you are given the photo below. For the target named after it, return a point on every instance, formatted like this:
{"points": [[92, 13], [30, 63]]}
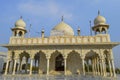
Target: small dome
{"points": [[63, 28], [99, 20], [20, 23]]}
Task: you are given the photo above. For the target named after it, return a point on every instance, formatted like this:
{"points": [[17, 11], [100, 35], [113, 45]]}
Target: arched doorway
{"points": [[40, 62], [74, 64], [59, 63], [92, 63], [56, 61], [24, 64]]}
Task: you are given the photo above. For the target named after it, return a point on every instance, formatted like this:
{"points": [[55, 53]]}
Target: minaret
{"points": [[62, 19], [78, 31], [19, 29], [42, 33], [100, 26]]}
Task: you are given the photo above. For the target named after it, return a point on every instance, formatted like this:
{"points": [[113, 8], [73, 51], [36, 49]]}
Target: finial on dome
{"points": [[90, 28], [78, 31], [78, 28], [42, 32], [43, 29], [62, 19], [98, 12], [21, 17]]}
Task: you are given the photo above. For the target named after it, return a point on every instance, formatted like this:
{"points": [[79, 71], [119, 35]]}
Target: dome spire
{"points": [[98, 12], [62, 18], [21, 17]]}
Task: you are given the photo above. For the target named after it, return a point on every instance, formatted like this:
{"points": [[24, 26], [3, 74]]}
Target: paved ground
{"points": [[37, 77]]}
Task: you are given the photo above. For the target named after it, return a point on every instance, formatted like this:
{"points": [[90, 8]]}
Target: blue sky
{"points": [[47, 13]]}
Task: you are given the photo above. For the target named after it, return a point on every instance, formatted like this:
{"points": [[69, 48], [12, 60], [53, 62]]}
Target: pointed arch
{"points": [[74, 59], [40, 61], [20, 33], [54, 57]]}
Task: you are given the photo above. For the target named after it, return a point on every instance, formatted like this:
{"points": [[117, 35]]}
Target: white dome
{"points": [[64, 28], [99, 20], [20, 23]]}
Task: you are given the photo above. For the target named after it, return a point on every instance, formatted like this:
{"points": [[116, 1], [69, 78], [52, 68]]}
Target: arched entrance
{"points": [[24, 62], [56, 62], [74, 64], [41, 62], [92, 63], [59, 63]]}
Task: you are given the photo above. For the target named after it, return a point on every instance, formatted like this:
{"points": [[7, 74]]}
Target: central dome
{"points": [[62, 29]]}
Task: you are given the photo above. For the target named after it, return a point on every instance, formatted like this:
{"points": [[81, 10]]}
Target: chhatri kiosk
{"points": [[61, 53]]}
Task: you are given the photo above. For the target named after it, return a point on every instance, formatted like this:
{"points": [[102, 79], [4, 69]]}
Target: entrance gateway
{"points": [[61, 51]]}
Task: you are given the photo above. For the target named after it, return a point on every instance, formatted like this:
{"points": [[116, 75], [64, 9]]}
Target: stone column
{"points": [[83, 66], [93, 67], [48, 65], [112, 63], [110, 69], [103, 67], [48, 62], [98, 72], [6, 70], [15, 62], [65, 64], [113, 68], [31, 64], [20, 65], [31, 61]]}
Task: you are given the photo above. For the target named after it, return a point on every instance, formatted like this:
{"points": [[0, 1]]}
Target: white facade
{"points": [[61, 53]]}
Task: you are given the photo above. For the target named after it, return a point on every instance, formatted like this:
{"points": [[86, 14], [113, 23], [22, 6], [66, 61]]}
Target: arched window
{"points": [[103, 30], [20, 33]]}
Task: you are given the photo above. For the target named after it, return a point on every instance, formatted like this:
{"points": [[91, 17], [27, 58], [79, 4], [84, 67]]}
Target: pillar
{"points": [[113, 68], [6, 70], [112, 63], [93, 67], [83, 66], [98, 72], [48, 65], [31, 64], [20, 65], [65, 65], [103, 67], [110, 69], [14, 69], [15, 62]]}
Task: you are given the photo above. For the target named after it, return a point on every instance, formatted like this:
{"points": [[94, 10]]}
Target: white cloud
{"points": [[43, 9]]}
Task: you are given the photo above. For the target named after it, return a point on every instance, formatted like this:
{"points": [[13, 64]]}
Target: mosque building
{"points": [[61, 53]]}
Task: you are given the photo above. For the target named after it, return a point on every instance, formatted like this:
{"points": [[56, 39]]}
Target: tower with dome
{"points": [[61, 53]]}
